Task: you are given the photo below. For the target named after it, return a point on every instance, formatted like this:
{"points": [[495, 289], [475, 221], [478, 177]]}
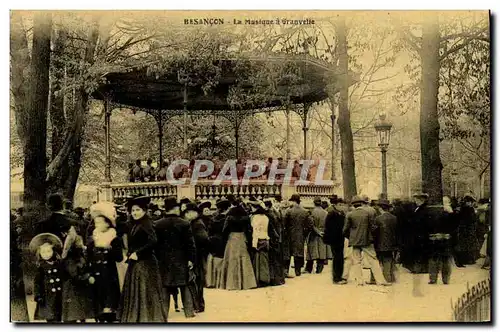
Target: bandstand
{"points": [[175, 94]]}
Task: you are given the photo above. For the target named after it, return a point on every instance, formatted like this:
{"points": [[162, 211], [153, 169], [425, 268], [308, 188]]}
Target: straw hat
{"points": [[43, 238]]}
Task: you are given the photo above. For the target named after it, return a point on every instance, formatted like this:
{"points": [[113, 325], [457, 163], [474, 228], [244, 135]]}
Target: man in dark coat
{"points": [[317, 250], [176, 253], [419, 223], [358, 226], [440, 230], [334, 237], [386, 239], [58, 222], [297, 223]]}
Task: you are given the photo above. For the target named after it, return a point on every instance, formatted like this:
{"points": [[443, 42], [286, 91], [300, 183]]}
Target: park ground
{"points": [[314, 298]]}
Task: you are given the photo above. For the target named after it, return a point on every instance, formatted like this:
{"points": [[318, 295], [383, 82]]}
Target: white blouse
{"points": [[260, 223]]}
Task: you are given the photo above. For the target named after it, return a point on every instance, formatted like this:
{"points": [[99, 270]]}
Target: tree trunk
{"points": [[57, 111], [57, 107], [35, 149], [429, 122], [64, 168], [20, 66], [344, 120], [75, 157]]}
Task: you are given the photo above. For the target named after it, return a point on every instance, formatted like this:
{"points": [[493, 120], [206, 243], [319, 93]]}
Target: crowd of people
{"points": [[139, 173], [185, 246]]}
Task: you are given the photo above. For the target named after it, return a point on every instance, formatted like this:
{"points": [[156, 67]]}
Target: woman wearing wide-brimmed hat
{"points": [[237, 271], [142, 299], [104, 250]]}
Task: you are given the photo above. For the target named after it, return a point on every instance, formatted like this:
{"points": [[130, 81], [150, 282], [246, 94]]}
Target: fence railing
{"points": [[210, 190], [475, 304], [152, 189]]}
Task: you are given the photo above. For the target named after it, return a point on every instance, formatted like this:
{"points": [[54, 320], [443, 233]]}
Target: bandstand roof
{"points": [[137, 89]]}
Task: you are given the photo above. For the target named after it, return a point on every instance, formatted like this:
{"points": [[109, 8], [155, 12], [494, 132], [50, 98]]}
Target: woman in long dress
{"points": [[237, 271], [260, 243], [142, 298]]}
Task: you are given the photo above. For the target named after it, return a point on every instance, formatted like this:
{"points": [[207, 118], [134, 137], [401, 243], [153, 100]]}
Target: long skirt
{"points": [[237, 272], [214, 268], [276, 264], [142, 298], [261, 263]]}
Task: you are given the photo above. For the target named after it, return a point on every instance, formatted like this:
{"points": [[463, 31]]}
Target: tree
{"points": [[36, 114], [344, 121], [431, 49]]}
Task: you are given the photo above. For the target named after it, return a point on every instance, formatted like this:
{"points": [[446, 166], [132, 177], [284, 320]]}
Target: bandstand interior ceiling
{"points": [[141, 90]]}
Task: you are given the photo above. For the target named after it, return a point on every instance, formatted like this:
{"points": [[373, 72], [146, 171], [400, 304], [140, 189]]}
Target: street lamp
{"points": [[332, 117], [383, 128]]}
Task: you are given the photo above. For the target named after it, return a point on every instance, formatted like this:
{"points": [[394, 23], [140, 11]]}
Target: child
{"points": [[104, 250], [76, 294], [49, 277]]}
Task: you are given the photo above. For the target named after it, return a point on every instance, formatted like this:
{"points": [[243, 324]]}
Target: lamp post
{"points": [[332, 117], [383, 128]]}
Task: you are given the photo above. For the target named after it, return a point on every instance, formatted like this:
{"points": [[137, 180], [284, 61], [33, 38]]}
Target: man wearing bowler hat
{"points": [[334, 237], [296, 225], [176, 252]]}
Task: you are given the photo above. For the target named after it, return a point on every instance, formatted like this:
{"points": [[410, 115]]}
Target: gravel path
{"points": [[313, 298]]}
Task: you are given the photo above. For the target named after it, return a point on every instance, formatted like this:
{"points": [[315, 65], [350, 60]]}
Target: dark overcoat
{"points": [[419, 238], [386, 232], [49, 280], [57, 223], [334, 225], [316, 248], [175, 248], [441, 222], [102, 266], [76, 291], [297, 223], [276, 262], [467, 223], [215, 235], [201, 241]]}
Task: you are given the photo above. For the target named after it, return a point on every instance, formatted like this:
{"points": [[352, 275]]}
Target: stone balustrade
{"points": [[155, 190], [206, 190]]}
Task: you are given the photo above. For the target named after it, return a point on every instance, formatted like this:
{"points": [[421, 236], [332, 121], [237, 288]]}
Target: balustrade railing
{"points": [[258, 189], [207, 190], [311, 191], [155, 190], [475, 304]]}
